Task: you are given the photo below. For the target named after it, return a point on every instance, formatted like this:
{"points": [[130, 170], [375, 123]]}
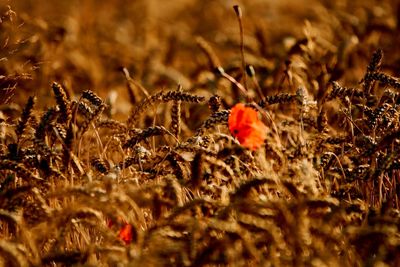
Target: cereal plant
{"points": [[199, 133]]}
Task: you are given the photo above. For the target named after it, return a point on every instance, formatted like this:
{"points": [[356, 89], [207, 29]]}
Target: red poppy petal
{"points": [[245, 125], [255, 139], [125, 234], [235, 116], [250, 116]]}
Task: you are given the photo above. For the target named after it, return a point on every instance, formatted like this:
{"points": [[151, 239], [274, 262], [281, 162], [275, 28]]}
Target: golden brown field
{"points": [[117, 145]]}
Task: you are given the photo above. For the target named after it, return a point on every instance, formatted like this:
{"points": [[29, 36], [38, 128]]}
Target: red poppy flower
{"points": [[125, 233], [245, 125]]}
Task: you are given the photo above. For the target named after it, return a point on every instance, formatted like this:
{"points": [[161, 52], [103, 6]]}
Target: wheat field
{"points": [[117, 146]]}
